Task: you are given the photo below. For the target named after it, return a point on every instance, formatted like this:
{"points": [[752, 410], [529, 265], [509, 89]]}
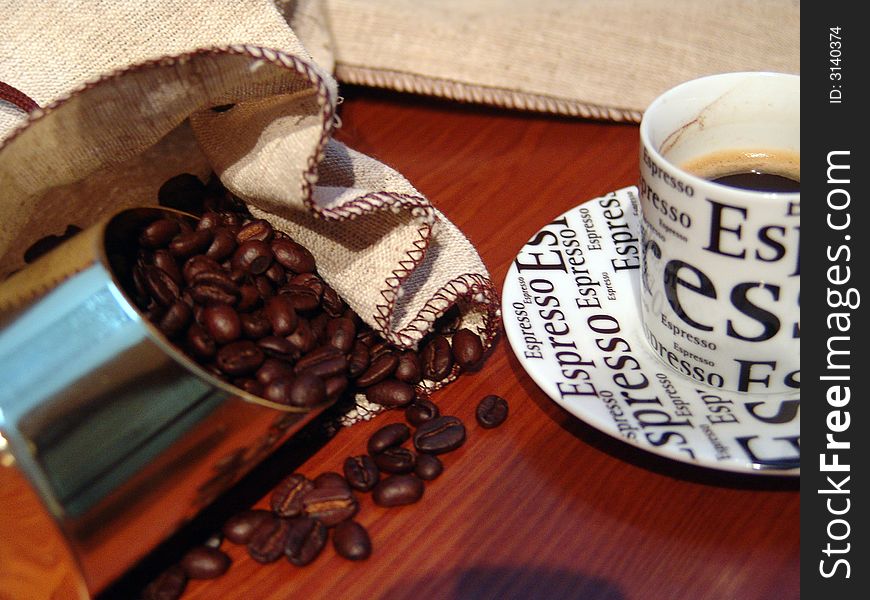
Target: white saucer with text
{"points": [[571, 311]]}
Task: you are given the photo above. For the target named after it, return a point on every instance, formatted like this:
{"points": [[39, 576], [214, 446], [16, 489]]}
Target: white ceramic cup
{"points": [[720, 265]]}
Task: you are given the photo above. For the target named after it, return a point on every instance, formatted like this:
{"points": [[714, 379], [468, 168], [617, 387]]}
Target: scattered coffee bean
{"points": [[361, 472], [351, 541], [330, 504], [421, 411], [269, 540], [169, 585], [240, 527], [222, 323], [305, 540], [387, 436], [428, 467], [395, 460], [439, 435], [286, 499], [491, 411], [391, 393], [398, 490], [202, 562]]}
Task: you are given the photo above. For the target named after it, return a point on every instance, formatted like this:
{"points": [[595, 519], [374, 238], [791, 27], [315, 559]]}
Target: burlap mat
{"points": [[604, 59]]}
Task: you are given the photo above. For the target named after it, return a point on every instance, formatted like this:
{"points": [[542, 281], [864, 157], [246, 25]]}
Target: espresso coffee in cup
{"points": [[720, 201], [762, 170]]}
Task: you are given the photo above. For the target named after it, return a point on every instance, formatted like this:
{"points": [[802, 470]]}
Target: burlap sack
{"points": [[126, 91], [604, 59]]}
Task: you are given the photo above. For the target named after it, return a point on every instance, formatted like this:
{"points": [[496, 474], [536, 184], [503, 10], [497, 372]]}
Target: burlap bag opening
{"points": [[111, 143]]}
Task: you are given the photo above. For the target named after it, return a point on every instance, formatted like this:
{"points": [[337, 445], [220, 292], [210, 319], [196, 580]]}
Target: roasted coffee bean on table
{"points": [[239, 528], [351, 540], [439, 435], [204, 562], [491, 411], [246, 302], [305, 540]]}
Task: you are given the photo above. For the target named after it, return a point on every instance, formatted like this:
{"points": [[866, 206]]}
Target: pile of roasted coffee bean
{"points": [[247, 303]]}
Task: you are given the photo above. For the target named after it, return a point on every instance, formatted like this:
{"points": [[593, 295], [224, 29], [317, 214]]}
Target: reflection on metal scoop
{"points": [[110, 437]]}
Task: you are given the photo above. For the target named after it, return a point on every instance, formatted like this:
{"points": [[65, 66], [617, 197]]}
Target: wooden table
{"points": [[545, 506]]}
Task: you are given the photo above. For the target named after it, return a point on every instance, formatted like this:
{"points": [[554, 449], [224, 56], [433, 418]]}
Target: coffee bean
{"points": [[252, 256], [169, 585], [160, 285], [390, 393], [331, 479], [303, 297], [275, 346], [421, 411], [395, 460], [491, 411], [159, 233], [398, 490], [165, 261], [467, 348], [408, 369], [269, 540], [428, 467], [202, 562], [341, 333], [272, 369], [281, 314], [292, 256], [352, 541], [388, 436], [210, 220], [275, 274], [436, 358], [379, 369], [258, 229], [305, 541], [286, 499], [249, 298], [200, 342], [330, 504], [222, 323], [199, 264], [278, 389], [358, 361], [240, 358], [439, 435], [255, 325], [240, 527], [175, 319], [223, 244], [303, 337], [325, 361], [188, 243], [361, 472], [332, 303], [307, 390]]}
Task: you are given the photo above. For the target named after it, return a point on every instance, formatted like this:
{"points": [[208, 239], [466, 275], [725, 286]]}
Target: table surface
{"points": [[544, 506]]}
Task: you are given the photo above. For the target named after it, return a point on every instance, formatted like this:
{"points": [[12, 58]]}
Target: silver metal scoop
{"points": [[110, 437]]}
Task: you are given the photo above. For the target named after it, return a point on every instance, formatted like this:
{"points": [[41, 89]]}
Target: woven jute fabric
{"points": [[603, 59], [126, 92]]}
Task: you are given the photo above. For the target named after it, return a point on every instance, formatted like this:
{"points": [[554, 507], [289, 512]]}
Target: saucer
{"points": [[571, 311]]}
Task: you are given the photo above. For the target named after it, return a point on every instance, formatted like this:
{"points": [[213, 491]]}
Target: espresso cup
{"points": [[720, 227]]}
